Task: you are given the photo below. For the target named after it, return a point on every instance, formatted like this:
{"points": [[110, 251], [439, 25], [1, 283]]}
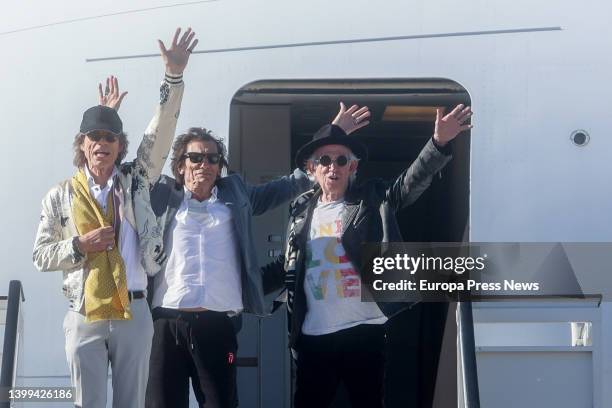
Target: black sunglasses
{"points": [[325, 161], [97, 136], [211, 158]]}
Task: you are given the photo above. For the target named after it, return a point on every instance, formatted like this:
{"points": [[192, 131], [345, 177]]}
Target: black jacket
{"points": [[370, 217]]}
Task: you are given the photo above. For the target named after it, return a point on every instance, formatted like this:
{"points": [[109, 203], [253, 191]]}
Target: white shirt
{"points": [[128, 239], [332, 285], [203, 268]]}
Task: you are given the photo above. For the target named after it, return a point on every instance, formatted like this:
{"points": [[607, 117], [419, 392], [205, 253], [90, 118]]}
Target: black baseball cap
{"points": [[101, 118]]}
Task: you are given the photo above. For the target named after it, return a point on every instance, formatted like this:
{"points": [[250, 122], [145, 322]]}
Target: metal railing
{"points": [[469, 396], [10, 350]]}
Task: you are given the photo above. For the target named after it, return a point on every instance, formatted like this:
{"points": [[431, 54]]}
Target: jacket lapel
{"points": [[355, 210], [225, 195], [301, 215]]}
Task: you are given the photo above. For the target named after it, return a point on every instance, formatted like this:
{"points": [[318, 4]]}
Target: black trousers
{"points": [[200, 346], [355, 357]]}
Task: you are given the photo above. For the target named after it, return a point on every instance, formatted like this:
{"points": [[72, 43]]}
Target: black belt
{"points": [[168, 313], [136, 294]]}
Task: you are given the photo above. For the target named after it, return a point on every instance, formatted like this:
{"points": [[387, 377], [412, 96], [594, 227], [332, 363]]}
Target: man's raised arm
{"points": [[409, 186], [158, 136]]}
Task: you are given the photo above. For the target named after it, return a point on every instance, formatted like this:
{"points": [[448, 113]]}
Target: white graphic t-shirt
{"points": [[332, 285]]}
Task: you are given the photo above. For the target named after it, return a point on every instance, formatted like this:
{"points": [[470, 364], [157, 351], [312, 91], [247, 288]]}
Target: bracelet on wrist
{"points": [[75, 246]]}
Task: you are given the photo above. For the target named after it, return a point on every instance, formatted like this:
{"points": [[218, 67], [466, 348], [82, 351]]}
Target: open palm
{"points": [[449, 126], [177, 55], [352, 118], [111, 96]]}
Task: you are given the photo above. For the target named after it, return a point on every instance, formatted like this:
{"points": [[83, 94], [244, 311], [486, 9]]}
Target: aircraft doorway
{"points": [[269, 121]]}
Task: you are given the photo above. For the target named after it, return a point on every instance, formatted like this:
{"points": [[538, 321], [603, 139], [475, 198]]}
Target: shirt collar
{"points": [[91, 182], [213, 195]]}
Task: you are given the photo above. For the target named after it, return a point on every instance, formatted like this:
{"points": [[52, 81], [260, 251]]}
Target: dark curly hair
{"points": [[79, 159], [179, 148]]}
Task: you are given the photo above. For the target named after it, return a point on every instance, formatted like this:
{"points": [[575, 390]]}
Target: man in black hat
{"points": [[100, 230], [337, 337]]}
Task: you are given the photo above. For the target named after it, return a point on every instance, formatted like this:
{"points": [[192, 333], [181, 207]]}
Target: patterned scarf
{"points": [[106, 294]]}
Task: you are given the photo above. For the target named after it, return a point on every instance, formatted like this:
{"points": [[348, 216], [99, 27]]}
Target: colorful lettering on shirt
{"points": [[347, 283], [326, 251], [319, 288], [346, 279], [333, 246], [328, 229], [311, 263]]}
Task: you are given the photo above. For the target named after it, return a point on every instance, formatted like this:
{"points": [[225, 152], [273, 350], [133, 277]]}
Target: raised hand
{"points": [[176, 57], [449, 126], [352, 118], [111, 96]]}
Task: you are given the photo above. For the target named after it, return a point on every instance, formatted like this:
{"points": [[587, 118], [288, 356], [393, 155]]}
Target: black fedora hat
{"points": [[328, 135], [101, 118]]}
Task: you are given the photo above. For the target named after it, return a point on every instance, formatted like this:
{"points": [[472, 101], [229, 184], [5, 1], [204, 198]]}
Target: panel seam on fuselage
{"points": [[352, 41]]}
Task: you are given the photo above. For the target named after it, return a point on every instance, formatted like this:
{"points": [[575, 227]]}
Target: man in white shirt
{"points": [[212, 271]]}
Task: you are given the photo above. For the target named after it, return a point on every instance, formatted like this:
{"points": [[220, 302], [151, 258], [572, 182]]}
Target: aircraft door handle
{"points": [[275, 238]]}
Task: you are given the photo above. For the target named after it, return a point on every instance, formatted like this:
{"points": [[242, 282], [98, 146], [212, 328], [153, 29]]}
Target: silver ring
{"points": [[356, 121], [109, 248]]}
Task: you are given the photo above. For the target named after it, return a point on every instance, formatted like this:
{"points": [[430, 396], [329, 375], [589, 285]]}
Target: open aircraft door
{"points": [[269, 121]]}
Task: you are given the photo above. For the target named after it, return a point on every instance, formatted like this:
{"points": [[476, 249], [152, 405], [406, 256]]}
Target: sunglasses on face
{"points": [[325, 161], [97, 136], [211, 158]]}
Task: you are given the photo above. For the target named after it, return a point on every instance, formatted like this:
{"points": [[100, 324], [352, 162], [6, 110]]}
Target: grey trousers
{"points": [[125, 344]]}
